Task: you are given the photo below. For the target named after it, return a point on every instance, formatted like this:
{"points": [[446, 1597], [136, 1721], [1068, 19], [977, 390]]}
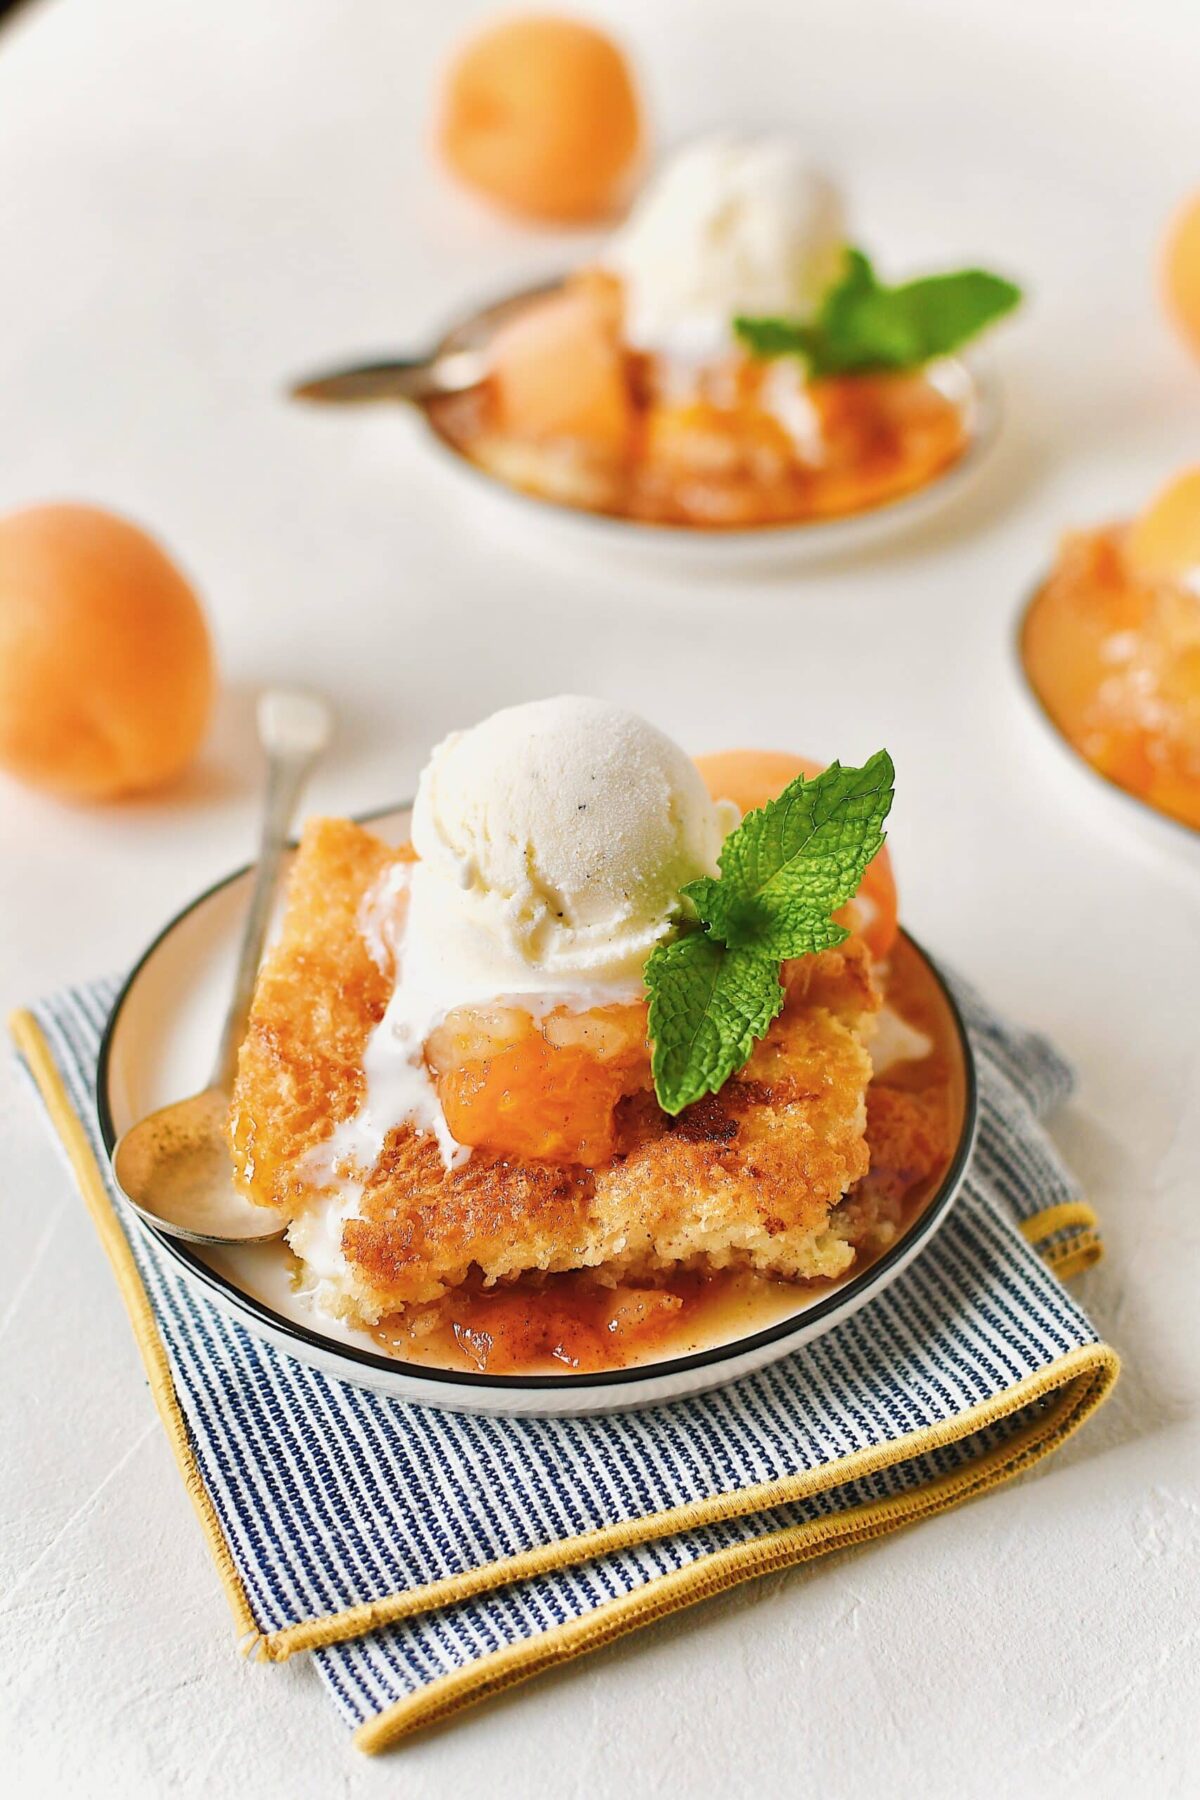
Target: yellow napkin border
{"points": [[1079, 1382]]}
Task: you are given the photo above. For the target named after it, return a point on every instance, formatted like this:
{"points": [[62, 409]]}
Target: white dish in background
{"points": [[1156, 829], [727, 549], [157, 1044]]}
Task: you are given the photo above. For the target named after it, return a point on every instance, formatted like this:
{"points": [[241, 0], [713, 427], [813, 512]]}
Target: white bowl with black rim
{"points": [[158, 1041], [1156, 829]]}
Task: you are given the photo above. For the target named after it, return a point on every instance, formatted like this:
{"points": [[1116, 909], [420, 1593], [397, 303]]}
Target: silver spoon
{"points": [[416, 379], [174, 1166], [460, 361]]}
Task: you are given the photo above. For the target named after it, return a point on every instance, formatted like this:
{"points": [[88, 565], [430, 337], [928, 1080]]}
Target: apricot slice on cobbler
{"points": [[542, 1090], [558, 369]]}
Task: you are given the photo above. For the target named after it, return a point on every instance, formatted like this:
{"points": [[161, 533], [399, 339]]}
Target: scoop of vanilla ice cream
{"points": [[731, 225], [553, 840]]}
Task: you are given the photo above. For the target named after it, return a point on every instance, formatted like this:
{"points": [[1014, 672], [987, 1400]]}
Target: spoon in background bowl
{"points": [[174, 1166], [416, 380], [460, 361]]}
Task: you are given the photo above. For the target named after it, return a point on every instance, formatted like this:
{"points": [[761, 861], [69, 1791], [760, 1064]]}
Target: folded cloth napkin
{"points": [[428, 1558]]}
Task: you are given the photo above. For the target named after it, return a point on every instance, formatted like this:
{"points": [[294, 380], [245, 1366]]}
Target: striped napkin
{"points": [[426, 1559]]}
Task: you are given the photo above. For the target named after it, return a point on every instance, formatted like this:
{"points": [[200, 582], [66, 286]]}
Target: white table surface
{"points": [[195, 202]]}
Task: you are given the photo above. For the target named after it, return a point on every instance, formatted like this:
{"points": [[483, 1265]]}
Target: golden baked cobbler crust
{"points": [[748, 1177]]}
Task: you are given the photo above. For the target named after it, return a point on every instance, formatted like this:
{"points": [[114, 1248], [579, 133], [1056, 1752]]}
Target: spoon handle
{"points": [[293, 728], [416, 379]]}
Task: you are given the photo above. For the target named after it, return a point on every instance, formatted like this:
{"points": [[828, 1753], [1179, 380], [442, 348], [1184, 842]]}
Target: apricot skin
{"points": [[1164, 541], [541, 115], [1181, 272], [106, 667]]}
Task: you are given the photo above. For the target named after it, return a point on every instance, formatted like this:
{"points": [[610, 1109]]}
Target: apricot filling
{"points": [[538, 1089], [1114, 656], [571, 414]]}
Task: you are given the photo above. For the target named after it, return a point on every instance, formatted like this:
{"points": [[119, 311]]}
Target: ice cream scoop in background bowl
{"points": [[730, 227]]}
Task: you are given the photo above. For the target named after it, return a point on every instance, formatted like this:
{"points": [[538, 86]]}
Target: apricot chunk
{"points": [[538, 1089], [558, 370]]}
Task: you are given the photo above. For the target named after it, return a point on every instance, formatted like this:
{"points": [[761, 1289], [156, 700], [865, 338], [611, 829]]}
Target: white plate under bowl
{"points": [[1154, 828], [728, 549], [158, 1045]]}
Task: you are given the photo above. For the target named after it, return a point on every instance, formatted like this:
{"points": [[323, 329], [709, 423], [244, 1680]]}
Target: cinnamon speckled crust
{"points": [[750, 1176]]}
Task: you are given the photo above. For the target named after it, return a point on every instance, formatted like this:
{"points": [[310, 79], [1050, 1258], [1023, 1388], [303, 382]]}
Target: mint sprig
{"points": [[714, 991], [863, 326], [709, 1005]]}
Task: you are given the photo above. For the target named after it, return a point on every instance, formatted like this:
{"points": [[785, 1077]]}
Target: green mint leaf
{"points": [[709, 1005], [701, 894], [793, 862], [766, 338], [715, 989], [863, 326]]}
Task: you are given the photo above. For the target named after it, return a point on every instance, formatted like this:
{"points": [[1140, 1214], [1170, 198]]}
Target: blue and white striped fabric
{"points": [[330, 1496]]}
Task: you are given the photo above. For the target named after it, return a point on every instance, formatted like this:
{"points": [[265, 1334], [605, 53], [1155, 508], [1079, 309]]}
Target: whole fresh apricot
{"points": [[541, 114], [106, 668]]}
